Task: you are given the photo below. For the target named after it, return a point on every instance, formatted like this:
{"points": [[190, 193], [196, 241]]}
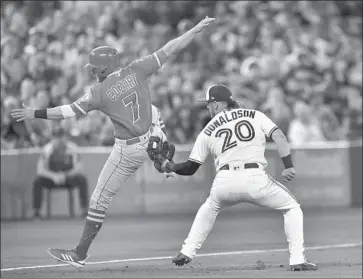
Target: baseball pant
{"points": [[253, 186], [73, 181], [123, 161]]}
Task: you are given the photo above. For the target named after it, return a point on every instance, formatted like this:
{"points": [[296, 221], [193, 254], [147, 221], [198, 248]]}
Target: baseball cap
{"points": [[217, 93]]}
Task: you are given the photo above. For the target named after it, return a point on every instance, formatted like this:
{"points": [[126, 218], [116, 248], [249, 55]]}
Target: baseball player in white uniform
{"points": [[236, 139]]}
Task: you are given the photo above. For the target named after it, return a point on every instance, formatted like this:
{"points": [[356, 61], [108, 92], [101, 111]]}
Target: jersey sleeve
{"points": [[200, 149], [151, 63], [267, 125], [88, 102], [156, 118]]}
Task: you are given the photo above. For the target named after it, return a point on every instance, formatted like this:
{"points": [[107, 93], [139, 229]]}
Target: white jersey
{"points": [[156, 117], [236, 135]]}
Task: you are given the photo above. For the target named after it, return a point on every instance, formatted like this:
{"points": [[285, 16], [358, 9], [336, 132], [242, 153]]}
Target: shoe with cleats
{"points": [[304, 266], [68, 256], [181, 259]]}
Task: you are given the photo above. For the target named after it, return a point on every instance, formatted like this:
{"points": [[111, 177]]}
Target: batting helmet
{"points": [[103, 61]]}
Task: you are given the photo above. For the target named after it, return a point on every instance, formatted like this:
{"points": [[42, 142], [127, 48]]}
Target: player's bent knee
{"points": [[100, 201], [94, 204], [291, 204], [214, 205], [296, 209]]}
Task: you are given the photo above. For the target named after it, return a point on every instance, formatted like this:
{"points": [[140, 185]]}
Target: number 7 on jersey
{"points": [[132, 101]]}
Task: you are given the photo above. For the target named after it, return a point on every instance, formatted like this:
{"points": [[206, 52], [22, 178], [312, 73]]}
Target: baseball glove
{"points": [[159, 151]]}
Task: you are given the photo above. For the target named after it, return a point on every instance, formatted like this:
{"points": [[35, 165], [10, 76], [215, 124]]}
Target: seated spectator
{"points": [[59, 167]]}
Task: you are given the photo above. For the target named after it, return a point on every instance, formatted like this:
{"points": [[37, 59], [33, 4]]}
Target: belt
{"points": [[134, 140], [246, 166]]}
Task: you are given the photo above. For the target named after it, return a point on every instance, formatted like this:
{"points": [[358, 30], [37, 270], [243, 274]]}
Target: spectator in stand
{"points": [[327, 120], [304, 128], [277, 109], [27, 91], [13, 64], [13, 134], [40, 130]]}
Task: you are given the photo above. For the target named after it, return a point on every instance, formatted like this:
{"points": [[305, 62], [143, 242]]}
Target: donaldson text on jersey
{"points": [[228, 117]]}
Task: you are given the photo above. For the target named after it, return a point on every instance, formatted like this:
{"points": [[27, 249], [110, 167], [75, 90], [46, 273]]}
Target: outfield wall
{"points": [[328, 174]]}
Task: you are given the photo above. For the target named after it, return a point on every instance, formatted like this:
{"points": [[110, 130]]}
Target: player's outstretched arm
{"points": [[176, 45], [151, 63], [196, 158], [283, 148], [185, 168], [60, 112]]}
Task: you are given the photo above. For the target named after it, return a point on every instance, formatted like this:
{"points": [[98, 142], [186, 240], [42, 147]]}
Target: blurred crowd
{"points": [[298, 62]]}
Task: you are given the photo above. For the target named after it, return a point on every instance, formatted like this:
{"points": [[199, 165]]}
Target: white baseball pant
{"points": [[255, 186]]}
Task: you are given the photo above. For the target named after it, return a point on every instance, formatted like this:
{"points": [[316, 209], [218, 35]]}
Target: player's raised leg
{"points": [[120, 165], [275, 195]]}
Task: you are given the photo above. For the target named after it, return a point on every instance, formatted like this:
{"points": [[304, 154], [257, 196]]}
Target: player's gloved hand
{"points": [[160, 151], [154, 147], [288, 174], [158, 162], [168, 150]]}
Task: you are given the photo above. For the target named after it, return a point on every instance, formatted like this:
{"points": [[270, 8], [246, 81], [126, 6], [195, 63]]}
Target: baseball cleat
{"points": [[304, 266], [181, 259], [68, 256]]}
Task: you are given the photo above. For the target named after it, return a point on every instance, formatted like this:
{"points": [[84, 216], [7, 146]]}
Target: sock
{"points": [[202, 225], [294, 230], [92, 226]]}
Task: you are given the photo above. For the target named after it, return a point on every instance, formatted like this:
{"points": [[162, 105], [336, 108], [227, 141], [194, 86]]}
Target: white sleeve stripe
{"points": [[157, 59], [67, 111], [196, 161], [272, 130], [80, 109]]}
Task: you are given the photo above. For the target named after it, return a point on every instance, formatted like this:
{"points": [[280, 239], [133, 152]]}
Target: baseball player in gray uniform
{"points": [[123, 94], [236, 139]]}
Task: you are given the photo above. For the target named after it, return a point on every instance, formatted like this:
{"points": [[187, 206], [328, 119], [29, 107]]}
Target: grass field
{"points": [[250, 244]]}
